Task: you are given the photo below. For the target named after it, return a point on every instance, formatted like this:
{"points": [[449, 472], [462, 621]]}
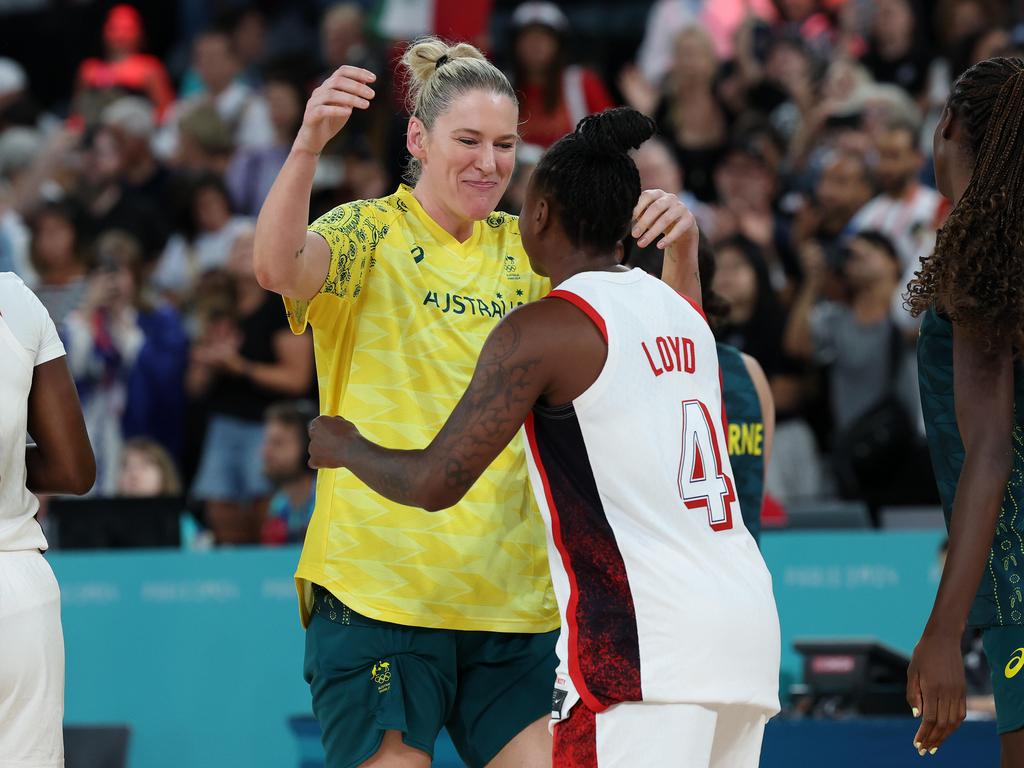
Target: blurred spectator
{"points": [[792, 68], [667, 18], [356, 174], [848, 335], [248, 29], [659, 170], [956, 20], [240, 366], [447, 19], [689, 114], [205, 144], [898, 51], [844, 188], [131, 120], [122, 70], [107, 203], [555, 95], [906, 211], [17, 106], [127, 357], [238, 105], [870, 381], [344, 39], [58, 258], [747, 181], [253, 169], [206, 245], [147, 470], [285, 463], [14, 238], [755, 320]]}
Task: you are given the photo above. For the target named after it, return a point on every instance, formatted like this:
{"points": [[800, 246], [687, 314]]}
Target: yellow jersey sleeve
{"points": [[352, 232]]}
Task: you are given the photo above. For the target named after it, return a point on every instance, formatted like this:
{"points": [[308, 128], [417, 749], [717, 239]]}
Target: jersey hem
{"points": [[461, 623]]}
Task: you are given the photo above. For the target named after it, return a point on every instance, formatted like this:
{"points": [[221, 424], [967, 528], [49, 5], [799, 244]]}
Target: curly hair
{"points": [[976, 274]]}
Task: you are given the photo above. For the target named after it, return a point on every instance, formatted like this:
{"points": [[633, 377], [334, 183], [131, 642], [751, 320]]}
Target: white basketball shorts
{"points": [[31, 663], [665, 735]]}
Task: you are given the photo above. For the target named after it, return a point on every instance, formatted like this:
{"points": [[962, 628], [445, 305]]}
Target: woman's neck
{"points": [[459, 228]]}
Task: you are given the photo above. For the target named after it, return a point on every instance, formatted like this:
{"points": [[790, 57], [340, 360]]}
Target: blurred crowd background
{"points": [[137, 144]]}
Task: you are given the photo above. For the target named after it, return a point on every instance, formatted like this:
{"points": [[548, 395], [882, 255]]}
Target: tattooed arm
{"points": [[514, 370]]}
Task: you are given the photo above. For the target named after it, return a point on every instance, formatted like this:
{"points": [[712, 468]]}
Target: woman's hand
{"points": [[331, 105]]}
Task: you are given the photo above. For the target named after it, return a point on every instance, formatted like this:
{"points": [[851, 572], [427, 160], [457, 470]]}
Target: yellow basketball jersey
{"points": [[397, 328]]}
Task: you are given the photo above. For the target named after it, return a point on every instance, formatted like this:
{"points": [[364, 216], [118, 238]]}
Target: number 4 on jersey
{"points": [[703, 483]]}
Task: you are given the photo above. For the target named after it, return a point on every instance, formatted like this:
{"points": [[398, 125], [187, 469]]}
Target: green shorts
{"points": [[370, 676], [1004, 647]]}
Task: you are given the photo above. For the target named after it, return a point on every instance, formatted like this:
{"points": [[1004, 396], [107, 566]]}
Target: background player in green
{"points": [[971, 293]]}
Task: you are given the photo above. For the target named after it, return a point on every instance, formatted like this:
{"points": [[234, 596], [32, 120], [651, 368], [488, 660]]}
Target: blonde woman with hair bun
{"points": [[418, 621]]}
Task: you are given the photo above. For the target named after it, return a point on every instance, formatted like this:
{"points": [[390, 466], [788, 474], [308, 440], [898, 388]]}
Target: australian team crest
{"points": [[511, 267], [381, 674]]}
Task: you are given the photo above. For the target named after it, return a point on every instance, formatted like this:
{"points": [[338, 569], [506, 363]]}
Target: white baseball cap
{"points": [[542, 14]]}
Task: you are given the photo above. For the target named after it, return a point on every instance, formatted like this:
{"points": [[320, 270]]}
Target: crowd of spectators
{"points": [[798, 131]]}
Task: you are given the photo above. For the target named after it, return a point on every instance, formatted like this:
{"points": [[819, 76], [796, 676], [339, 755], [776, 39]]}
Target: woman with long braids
{"points": [[971, 293]]}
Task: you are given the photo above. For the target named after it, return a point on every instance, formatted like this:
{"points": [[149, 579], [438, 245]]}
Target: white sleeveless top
{"points": [[27, 338], [663, 593]]}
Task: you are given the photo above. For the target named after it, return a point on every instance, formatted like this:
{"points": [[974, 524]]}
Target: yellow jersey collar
{"points": [[443, 236]]}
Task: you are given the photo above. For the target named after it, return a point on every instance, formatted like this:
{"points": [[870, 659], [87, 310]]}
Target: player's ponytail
{"points": [[439, 73], [976, 274], [615, 130], [590, 179]]}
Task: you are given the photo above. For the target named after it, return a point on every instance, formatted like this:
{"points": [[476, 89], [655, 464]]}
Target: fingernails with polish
{"points": [[916, 712], [922, 752], [917, 745], [933, 750]]}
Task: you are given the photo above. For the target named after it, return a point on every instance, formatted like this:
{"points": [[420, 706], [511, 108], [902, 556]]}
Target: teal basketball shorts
{"points": [[1004, 647], [368, 676]]}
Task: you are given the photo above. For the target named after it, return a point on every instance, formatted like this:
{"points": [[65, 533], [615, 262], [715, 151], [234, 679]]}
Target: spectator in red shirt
{"points": [[123, 69], [554, 95]]}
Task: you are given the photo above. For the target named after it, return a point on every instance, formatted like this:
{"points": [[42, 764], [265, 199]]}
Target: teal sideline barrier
{"points": [[201, 653]]}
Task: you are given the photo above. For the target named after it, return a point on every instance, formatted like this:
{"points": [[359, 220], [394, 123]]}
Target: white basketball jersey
{"points": [[663, 593]]}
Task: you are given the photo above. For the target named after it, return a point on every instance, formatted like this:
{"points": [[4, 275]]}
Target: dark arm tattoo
{"points": [[510, 376]]}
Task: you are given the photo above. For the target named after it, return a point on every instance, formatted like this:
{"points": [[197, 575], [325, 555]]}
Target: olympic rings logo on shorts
{"points": [[1014, 664], [381, 672]]}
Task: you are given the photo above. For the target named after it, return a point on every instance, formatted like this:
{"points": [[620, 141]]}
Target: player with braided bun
{"points": [[401, 293], [971, 295], [615, 378]]}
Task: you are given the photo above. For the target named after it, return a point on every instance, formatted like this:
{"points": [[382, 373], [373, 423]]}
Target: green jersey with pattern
{"points": [[1000, 594], [746, 435]]}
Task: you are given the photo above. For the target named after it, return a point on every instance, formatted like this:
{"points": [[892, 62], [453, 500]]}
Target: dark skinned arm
{"points": [[61, 461], [984, 392], [525, 357]]}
